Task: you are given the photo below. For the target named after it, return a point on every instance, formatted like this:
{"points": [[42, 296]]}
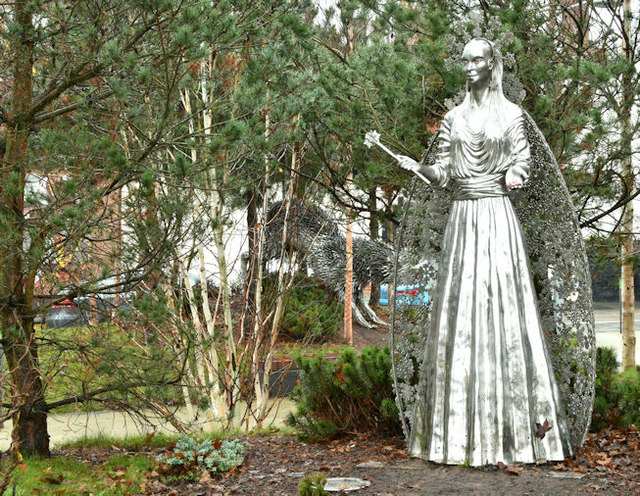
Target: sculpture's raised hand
{"points": [[408, 163]]}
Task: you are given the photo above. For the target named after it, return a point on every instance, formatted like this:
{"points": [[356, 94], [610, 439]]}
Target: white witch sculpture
{"points": [[487, 391]]}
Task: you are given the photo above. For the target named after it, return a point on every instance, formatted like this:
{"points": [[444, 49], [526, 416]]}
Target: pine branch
{"points": [[70, 108]]}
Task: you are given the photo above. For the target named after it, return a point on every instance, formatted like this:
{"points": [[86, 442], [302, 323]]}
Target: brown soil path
{"points": [[274, 466]]}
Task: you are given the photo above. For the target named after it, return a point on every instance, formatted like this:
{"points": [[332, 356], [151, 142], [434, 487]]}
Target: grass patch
{"points": [[155, 441], [118, 475], [133, 443], [309, 350]]}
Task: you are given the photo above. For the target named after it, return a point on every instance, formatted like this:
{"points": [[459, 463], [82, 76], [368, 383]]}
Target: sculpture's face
{"points": [[477, 63]]}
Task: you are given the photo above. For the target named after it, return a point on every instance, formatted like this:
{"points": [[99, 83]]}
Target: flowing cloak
{"points": [[508, 344]]}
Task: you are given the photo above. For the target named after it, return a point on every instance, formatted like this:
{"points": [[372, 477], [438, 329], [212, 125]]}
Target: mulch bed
{"points": [[274, 465]]}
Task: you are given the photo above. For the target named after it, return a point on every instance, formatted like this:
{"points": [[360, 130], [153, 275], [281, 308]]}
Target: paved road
{"points": [[607, 317], [65, 427]]}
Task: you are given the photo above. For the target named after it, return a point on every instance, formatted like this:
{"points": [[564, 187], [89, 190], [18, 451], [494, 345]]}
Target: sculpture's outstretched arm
{"points": [[373, 138], [438, 173]]}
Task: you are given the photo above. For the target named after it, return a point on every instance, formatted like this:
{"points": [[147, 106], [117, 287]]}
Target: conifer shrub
{"points": [[353, 394], [313, 484], [606, 368], [617, 394], [309, 311], [627, 390]]}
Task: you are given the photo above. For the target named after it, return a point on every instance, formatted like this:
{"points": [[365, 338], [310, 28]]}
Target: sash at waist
{"points": [[473, 188]]}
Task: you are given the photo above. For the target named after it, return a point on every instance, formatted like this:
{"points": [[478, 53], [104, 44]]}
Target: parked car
{"points": [[412, 294], [64, 314], [78, 312]]}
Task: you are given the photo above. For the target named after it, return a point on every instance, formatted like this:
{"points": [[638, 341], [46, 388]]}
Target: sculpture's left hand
{"points": [[516, 177]]}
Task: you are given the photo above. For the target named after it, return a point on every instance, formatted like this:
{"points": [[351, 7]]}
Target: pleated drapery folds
{"points": [[487, 392]]}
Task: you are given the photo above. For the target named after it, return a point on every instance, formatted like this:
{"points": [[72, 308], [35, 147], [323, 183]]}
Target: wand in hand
{"points": [[373, 138]]}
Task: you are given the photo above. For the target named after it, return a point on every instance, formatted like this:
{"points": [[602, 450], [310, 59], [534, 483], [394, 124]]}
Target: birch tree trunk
{"points": [[207, 371], [258, 314], [262, 387], [206, 350]]}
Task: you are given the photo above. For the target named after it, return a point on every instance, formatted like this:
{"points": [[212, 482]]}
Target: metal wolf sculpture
{"points": [[314, 237]]}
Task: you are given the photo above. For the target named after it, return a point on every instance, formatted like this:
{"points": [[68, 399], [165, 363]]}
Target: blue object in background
{"points": [[415, 294]]}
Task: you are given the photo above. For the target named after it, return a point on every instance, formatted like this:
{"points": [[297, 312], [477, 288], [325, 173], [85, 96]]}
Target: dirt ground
{"points": [[607, 464], [274, 465]]}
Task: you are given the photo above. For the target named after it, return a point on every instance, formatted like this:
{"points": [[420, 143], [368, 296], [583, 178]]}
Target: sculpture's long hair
{"points": [[496, 98]]}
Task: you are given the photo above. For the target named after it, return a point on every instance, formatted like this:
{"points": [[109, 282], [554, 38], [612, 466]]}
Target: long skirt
{"points": [[487, 391]]}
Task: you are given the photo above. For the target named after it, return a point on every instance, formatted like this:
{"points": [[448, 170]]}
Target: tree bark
{"points": [[627, 289], [29, 434], [374, 299], [348, 279]]}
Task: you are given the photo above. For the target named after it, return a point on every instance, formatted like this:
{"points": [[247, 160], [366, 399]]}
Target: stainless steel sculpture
{"points": [[314, 236], [487, 391]]}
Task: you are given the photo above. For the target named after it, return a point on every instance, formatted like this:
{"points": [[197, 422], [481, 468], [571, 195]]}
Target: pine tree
{"points": [[93, 109]]}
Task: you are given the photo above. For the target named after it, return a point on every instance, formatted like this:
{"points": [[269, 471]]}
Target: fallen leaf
{"points": [[205, 476], [514, 469], [542, 429], [53, 480]]}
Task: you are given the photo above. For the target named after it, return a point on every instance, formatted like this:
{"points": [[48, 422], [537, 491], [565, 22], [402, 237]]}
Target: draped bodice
{"points": [[474, 154], [476, 161]]}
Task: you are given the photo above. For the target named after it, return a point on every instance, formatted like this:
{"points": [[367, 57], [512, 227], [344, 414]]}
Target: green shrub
{"points": [[188, 458], [352, 394], [309, 310], [313, 484], [627, 389], [617, 394], [607, 366]]}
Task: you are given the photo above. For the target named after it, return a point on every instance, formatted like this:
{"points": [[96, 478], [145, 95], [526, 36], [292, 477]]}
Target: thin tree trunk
{"points": [[232, 372], [263, 390], [348, 280], [374, 299], [197, 326], [627, 289], [627, 296], [214, 363], [258, 313]]}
